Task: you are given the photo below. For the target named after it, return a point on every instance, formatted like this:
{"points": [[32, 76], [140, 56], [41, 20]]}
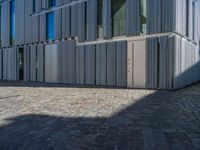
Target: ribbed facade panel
{"points": [[90, 64], [133, 17], [91, 20], [5, 24], [80, 65], [101, 64], [10, 64]]}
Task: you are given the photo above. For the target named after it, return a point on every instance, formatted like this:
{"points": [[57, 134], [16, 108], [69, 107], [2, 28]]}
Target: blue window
{"points": [[12, 22], [52, 3], [50, 26]]}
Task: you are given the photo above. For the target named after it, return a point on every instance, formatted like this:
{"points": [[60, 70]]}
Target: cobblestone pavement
{"points": [[54, 117]]}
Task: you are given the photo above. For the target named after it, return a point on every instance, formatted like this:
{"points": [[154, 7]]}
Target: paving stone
{"points": [[37, 116]]}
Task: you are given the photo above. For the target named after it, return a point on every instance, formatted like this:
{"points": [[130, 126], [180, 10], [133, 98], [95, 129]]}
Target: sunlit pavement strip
{"points": [[38, 116]]}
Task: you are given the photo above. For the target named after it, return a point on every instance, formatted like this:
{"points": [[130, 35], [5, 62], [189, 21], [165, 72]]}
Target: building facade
{"points": [[127, 43]]}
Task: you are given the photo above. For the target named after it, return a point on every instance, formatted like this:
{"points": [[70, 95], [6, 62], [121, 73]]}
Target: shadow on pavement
{"points": [[164, 120]]}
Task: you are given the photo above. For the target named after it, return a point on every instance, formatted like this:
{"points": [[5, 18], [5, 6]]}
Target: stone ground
{"points": [[55, 117]]}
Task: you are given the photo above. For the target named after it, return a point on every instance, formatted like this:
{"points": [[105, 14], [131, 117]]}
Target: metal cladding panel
{"points": [[51, 63], [1, 64], [165, 63], [121, 63], [133, 17], [5, 24], [20, 21], [33, 63], [101, 64], [91, 20], [90, 64], [10, 64], [80, 65], [168, 13], [31, 24], [190, 19], [153, 16], [111, 64], [152, 61], [74, 20], [58, 24], [66, 22], [38, 5], [26, 63], [43, 27], [181, 16], [81, 21], [69, 64], [196, 21], [186, 63], [107, 19], [40, 63], [66, 1]]}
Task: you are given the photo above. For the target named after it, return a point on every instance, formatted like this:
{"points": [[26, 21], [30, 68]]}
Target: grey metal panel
{"points": [[91, 20], [66, 22], [1, 64], [38, 5], [33, 63], [10, 64], [107, 19], [74, 20], [133, 17], [168, 13], [5, 24], [101, 61], [151, 56], [90, 65], [58, 24], [190, 19], [69, 64], [40, 63], [153, 16], [43, 27], [51, 63], [80, 65], [121, 64], [111, 64], [19, 21], [81, 21], [26, 63]]}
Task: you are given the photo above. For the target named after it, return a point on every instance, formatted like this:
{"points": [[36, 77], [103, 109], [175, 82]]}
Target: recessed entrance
{"points": [[21, 64]]}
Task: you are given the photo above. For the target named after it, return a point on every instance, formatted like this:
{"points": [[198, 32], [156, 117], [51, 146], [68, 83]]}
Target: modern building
{"points": [[151, 44]]}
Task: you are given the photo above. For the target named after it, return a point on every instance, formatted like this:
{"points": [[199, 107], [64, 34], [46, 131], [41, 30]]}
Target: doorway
{"points": [[21, 64]]}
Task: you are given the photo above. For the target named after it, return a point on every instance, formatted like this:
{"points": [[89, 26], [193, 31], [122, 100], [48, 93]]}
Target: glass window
{"points": [[118, 14], [99, 19], [143, 20], [50, 26], [12, 22], [33, 6], [52, 3]]}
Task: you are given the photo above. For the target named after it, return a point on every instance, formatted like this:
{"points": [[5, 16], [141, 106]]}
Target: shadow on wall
{"points": [[188, 77], [158, 121]]}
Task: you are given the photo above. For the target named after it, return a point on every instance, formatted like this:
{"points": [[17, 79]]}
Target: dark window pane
{"points": [[118, 11], [143, 24], [12, 22], [33, 6], [52, 3], [50, 26], [99, 19]]}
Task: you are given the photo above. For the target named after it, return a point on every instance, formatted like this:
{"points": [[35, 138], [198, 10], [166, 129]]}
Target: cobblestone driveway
{"points": [[48, 117]]}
